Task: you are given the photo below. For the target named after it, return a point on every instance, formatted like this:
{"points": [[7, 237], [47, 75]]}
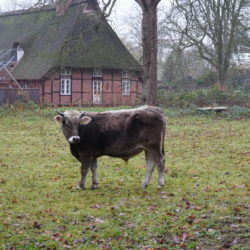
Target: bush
{"points": [[237, 112], [207, 97], [207, 77], [18, 108], [237, 78]]}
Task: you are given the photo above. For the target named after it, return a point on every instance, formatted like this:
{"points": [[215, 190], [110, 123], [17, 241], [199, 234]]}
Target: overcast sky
{"points": [[121, 7], [119, 13], [117, 19]]}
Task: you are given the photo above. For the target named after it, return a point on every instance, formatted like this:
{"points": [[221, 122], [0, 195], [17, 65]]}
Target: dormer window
{"points": [[17, 53], [126, 74], [66, 71], [97, 73]]}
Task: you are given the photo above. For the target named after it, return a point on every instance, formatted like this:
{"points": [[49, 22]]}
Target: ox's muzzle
{"points": [[74, 139]]}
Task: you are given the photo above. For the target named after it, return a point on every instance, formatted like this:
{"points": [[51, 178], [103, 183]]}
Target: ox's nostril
{"points": [[76, 139]]}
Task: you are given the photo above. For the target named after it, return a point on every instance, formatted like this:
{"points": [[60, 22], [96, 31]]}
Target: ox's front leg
{"points": [[85, 164], [93, 168]]}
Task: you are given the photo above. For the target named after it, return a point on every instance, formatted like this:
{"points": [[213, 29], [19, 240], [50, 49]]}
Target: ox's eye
{"points": [[67, 124]]}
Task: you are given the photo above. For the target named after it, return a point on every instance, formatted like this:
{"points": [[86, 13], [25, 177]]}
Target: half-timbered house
{"points": [[70, 53]]}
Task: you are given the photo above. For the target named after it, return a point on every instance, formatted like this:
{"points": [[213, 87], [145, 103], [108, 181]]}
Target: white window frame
{"points": [[97, 97], [65, 86], [97, 72], [19, 53], [126, 87], [66, 72], [126, 74]]}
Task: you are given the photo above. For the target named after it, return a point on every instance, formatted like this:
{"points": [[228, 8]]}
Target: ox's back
{"points": [[123, 133]]}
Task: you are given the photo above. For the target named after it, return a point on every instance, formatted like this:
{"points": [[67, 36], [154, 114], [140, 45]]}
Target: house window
{"points": [[126, 87], [66, 71], [97, 91], [26, 86], [97, 73], [65, 86], [126, 74]]}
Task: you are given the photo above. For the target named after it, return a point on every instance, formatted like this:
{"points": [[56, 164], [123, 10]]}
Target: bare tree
{"points": [[106, 6], [149, 44], [131, 33], [210, 26], [12, 5], [182, 66]]}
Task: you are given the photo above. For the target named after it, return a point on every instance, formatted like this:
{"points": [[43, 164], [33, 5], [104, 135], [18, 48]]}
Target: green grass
{"points": [[204, 205]]}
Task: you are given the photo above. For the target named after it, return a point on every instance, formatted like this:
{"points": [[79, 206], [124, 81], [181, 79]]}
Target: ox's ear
{"points": [[58, 119], [85, 120]]}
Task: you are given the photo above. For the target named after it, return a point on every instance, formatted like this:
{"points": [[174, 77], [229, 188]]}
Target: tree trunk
{"points": [[149, 44], [221, 77]]}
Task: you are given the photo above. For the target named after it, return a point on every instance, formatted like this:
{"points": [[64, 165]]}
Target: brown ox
{"points": [[122, 134]]}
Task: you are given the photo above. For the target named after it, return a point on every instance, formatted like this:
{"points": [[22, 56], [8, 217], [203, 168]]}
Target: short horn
{"points": [[59, 113]]}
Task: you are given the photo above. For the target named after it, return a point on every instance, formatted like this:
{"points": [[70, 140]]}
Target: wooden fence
{"points": [[10, 96]]}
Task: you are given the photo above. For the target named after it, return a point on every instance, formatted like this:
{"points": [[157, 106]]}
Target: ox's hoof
{"points": [[94, 186], [159, 186], [143, 186], [80, 186]]}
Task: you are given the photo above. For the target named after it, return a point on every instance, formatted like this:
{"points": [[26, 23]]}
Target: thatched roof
{"points": [[76, 39]]}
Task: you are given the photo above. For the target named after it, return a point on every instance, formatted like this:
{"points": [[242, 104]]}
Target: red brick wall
{"points": [[82, 89]]}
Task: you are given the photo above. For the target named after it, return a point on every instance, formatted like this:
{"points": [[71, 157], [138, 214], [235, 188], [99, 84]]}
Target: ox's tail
{"points": [[163, 137]]}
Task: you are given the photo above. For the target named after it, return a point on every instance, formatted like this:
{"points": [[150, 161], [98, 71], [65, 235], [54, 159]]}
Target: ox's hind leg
{"points": [[150, 165], [161, 167], [93, 168]]}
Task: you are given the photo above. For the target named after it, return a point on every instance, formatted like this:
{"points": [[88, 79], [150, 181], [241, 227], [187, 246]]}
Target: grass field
{"points": [[204, 205]]}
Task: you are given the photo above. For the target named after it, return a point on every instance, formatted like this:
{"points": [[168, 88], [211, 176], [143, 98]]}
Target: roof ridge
{"points": [[38, 9]]}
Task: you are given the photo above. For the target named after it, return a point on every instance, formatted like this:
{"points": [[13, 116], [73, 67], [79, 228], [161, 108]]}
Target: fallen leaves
{"points": [[191, 219], [81, 240], [2, 181], [56, 237], [165, 195], [181, 240], [130, 225], [96, 206], [97, 220], [37, 225], [14, 201], [236, 210]]}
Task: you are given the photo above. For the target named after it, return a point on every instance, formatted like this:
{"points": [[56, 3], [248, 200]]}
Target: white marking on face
{"points": [[74, 139]]}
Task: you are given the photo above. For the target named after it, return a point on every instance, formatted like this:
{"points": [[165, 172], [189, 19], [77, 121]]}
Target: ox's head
{"points": [[70, 121]]}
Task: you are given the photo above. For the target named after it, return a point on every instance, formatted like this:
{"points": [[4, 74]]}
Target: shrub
{"points": [[19, 107], [237, 112], [204, 97]]}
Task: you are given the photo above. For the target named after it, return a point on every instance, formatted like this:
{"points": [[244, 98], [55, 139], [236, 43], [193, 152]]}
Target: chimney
{"points": [[62, 6]]}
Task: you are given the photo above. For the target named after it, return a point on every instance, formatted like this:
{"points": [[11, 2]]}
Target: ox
{"points": [[122, 134]]}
